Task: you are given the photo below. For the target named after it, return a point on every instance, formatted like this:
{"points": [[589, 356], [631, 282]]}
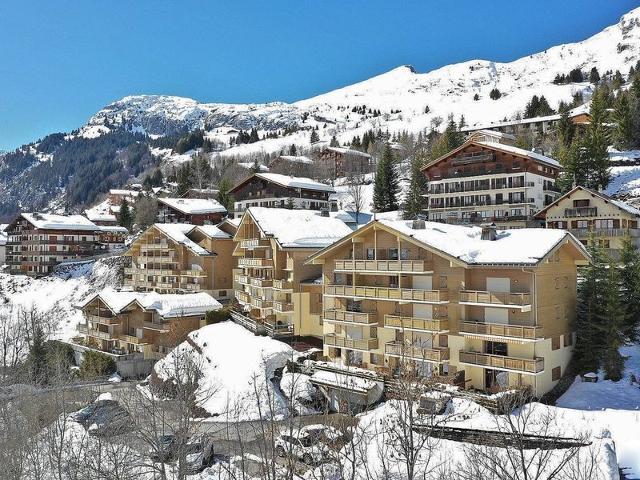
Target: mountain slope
{"points": [[119, 140]]}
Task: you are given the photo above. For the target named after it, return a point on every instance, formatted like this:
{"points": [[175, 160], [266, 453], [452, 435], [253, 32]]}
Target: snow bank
{"points": [[237, 370]]}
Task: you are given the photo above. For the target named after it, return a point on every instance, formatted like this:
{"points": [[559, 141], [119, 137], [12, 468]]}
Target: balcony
{"points": [[261, 282], [500, 330], [98, 334], [104, 320], [365, 344], [255, 262], [400, 322], [132, 339], [384, 293], [82, 329], [192, 287], [377, 266], [242, 297], [350, 318], [261, 304], [155, 246], [156, 326], [605, 232], [499, 362], [242, 279], [416, 352], [282, 285], [193, 273], [251, 243], [581, 212], [275, 328], [283, 307], [496, 299]]}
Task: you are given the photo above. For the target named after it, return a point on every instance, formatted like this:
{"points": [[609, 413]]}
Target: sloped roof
{"points": [[295, 182], [298, 228], [178, 232], [60, 222], [618, 203], [193, 206], [213, 231]]}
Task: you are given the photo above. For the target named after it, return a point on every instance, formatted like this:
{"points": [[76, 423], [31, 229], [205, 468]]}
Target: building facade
{"points": [[494, 308], [490, 181], [196, 211], [274, 190], [146, 324], [37, 242], [176, 257], [588, 214], [335, 162], [276, 291]]}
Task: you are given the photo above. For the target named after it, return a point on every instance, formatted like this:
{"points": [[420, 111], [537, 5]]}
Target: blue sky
{"points": [[62, 60]]}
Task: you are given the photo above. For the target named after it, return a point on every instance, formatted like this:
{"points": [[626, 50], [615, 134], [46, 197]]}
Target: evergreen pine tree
{"points": [[37, 358], [566, 129], [289, 203], [594, 76], [385, 189], [314, 137], [126, 216], [334, 142], [224, 197], [622, 116], [630, 288], [596, 143], [611, 325], [415, 203]]}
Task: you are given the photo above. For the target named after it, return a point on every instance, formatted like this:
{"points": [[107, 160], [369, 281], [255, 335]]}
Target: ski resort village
{"points": [[419, 276]]}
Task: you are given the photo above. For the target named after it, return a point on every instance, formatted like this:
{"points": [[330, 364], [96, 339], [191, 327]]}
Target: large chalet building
{"points": [[493, 309], [180, 257], [489, 180], [335, 162], [197, 211], [37, 242], [588, 214], [276, 292], [279, 191]]}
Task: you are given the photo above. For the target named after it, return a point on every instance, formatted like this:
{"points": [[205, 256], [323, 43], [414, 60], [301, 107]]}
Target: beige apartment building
{"points": [[276, 292], [178, 258], [494, 308], [148, 325], [589, 214]]}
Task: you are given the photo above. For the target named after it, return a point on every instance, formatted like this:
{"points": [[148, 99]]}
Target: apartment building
{"points": [[493, 308], [488, 180], [148, 325], [3, 244], [335, 162], [179, 257], [279, 191], [197, 211], [37, 242], [590, 214], [277, 293]]}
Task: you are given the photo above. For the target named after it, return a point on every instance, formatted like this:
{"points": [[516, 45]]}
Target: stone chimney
{"points": [[488, 231]]}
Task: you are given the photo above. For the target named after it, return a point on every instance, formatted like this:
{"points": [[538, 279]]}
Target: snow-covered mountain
{"points": [[42, 172]]}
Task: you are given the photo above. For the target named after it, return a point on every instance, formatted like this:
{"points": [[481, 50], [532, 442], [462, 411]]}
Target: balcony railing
{"points": [[261, 304], [416, 352], [242, 297], [495, 298], [104, 320], [523, 365], [243, 279], [344, 316], [500, 330], [282, 285], [251, 243], [261, 282], [82, 328], [256, 262], [401, 322], [193, 273], [277, 328], [98, 334], [132, 339], [581, 212], [283, 307], [383, 293], [605, 232], [334, 340], [409, 266]]}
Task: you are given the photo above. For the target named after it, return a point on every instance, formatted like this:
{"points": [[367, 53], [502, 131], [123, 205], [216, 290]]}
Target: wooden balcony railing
{"points": [[255, 262], [416, 352], [495, 298], [344, 316], [283, 307], [500, 330], [155, 246], [104, 320], [242, 297], [193, 273], [411, 323], [261, 304], [605, 232], [408, 266], [282, 285], [132, 339], [98, 334], [243, 279], [261, 282], [334, 340], [523, 365], [383, 293], [251, 243], [82, 328]]}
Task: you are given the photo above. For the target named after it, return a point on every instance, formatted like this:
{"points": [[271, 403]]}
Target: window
{"points": [[371, 254], [556, 374], [555, 342], [222, 293], [393, 254], [443, 281], [568, 339], [558, 312]]}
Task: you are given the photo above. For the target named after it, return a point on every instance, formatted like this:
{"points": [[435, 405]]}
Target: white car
{"points": [[311, 444]]}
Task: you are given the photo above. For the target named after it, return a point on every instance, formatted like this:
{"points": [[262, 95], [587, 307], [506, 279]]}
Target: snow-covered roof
{"points": [[124, 193], [178, 233], [343, 381], [618, 203], [348, 151], [193, 206], [99, 216], [349, 217], [166, 305], [249, 166], [520, 151], [112, 229], [3, 226], [296, 159], [3, 238], [580, 110], [298, 228], [59, 222], [213, 231], [295, 182]]}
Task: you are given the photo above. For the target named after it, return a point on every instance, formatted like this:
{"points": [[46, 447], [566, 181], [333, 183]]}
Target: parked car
{"points": [[198, 452], [312, 444], [104, 417]]}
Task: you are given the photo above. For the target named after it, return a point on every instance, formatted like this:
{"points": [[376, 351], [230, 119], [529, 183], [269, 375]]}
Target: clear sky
{"points": [[62, 60]]}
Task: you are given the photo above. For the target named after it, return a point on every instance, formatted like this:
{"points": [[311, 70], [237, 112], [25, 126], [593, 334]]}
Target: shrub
{"points": [[97, 364]]}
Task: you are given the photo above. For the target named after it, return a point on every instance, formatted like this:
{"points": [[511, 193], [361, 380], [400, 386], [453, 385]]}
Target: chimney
{"points": [[488, 231]]}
